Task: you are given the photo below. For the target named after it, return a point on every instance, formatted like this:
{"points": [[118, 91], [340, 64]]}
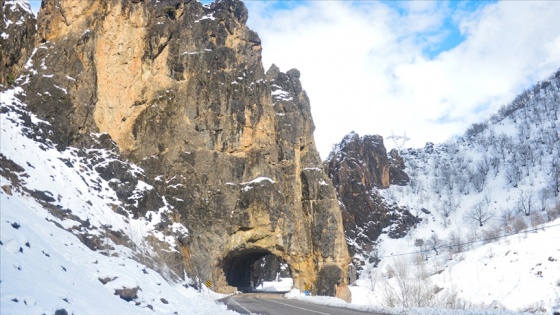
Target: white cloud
{"points": [[364, 69]]}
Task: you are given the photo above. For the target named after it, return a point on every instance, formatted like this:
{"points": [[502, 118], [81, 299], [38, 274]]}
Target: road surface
{"points": [[276, 304]]}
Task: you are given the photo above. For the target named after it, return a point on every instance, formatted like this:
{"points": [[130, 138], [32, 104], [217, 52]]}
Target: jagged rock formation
{"points": [[358, 167], [17, 35], [397, 175], [180, 89]]}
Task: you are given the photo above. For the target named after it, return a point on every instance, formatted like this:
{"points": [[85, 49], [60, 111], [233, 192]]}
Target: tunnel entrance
{"points": [[257, 269]]}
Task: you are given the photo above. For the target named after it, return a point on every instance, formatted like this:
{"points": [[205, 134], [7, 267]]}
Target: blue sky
{"points": [[453, 36], [425, 68]]}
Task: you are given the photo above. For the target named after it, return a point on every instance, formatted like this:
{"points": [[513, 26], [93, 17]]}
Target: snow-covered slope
{"points": [[501, 178], [54, 203]]}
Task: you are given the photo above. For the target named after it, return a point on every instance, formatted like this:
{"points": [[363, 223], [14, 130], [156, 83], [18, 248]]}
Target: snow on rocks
{"points": [[57, 216]]}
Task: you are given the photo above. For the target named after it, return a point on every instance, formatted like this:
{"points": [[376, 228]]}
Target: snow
{"points": [[209, 16], [44, 265], [259, 180], [45, 268], [23, 4], [510, 263], [281, 285], [279, 94], [529, 260]]}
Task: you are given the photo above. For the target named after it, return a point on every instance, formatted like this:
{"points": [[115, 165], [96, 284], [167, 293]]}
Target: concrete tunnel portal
{"points": [[247, 268]]}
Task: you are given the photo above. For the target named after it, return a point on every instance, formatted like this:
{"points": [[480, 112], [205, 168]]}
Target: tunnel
{"points": [[248, 267]]}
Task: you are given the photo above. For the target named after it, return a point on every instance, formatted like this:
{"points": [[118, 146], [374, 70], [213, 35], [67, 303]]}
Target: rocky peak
{"points": [[397, 175], [358, 167], [366, 156], [294, 124], [17, 35]]}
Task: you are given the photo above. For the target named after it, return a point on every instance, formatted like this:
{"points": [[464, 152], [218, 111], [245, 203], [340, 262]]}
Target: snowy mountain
{"points": [[489, 210], [57, 260], [134, 198]]}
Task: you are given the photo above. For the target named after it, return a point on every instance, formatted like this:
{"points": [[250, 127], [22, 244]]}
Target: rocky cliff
{"points": [[17, 35], [178, 88], [359, 167]]}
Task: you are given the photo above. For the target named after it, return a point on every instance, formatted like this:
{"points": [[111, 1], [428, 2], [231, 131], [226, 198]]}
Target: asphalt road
{"points": [[276, 304]]}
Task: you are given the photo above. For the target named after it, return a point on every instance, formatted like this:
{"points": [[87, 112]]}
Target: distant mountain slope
{"points": [[498, 165], [501, 178]]}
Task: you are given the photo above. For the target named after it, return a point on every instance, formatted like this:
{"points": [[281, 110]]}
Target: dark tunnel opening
{"points": [[247, 268]]}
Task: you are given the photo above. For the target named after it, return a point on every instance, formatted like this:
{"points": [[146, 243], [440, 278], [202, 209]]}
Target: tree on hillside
{"points": [[434, 243], [479, 213], [544, 194], [525, 202], [447, 206], [554, 180]]}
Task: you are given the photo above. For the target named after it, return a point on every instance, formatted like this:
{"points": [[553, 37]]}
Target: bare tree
{"points": [[408, 284], [479, 213], [434, 243], [513, 173], [544, 194], [477, 176], [456, 243], [525, 202], [554, 180], [448, 205], [475, 129]]}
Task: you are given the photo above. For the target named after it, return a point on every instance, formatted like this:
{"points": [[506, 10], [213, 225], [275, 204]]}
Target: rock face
{"points": [[397, 175], [181, 90], [358, 167], [17, 35]]}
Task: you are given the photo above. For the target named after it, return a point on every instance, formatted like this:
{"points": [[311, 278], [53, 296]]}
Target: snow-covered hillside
{"points": [[53, 204], [501, 178]]}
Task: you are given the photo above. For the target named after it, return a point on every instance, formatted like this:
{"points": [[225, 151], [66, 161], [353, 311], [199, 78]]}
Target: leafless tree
{"points": [[513, 173], [434, 243], [544, 194], [448, 205], [554, 180], [456, 242], [525, 202], [479, 213]]}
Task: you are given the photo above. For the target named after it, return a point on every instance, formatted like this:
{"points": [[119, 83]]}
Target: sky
{"points": [[424, 69]]}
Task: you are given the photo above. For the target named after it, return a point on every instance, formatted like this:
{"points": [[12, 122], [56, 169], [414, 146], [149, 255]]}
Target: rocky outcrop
{"points": [[180, 89], [17, 35], [358, 168], [397, 175]]}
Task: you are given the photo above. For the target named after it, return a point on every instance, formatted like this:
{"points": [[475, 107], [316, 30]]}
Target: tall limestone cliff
{"points": [[180, 89], [358, 168]]}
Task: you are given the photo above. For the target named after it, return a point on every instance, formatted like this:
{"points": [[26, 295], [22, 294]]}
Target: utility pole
{"points": [[403, 139]]}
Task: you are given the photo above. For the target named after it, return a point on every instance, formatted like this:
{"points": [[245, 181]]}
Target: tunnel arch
{"points": [[239, 266]]}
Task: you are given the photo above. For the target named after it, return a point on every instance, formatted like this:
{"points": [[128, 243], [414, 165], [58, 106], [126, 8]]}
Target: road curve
{"points": [[276, 304]]}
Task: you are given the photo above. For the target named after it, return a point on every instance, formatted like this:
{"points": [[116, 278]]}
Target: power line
{"points": [[443, 246]]}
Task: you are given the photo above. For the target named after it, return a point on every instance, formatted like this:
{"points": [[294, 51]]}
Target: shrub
{"points": [[456, 243], [553, 213], [491, 234], [475, 129], [519, 224], [171, 12], [11, 78], [408, 286], [537, 219]]}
